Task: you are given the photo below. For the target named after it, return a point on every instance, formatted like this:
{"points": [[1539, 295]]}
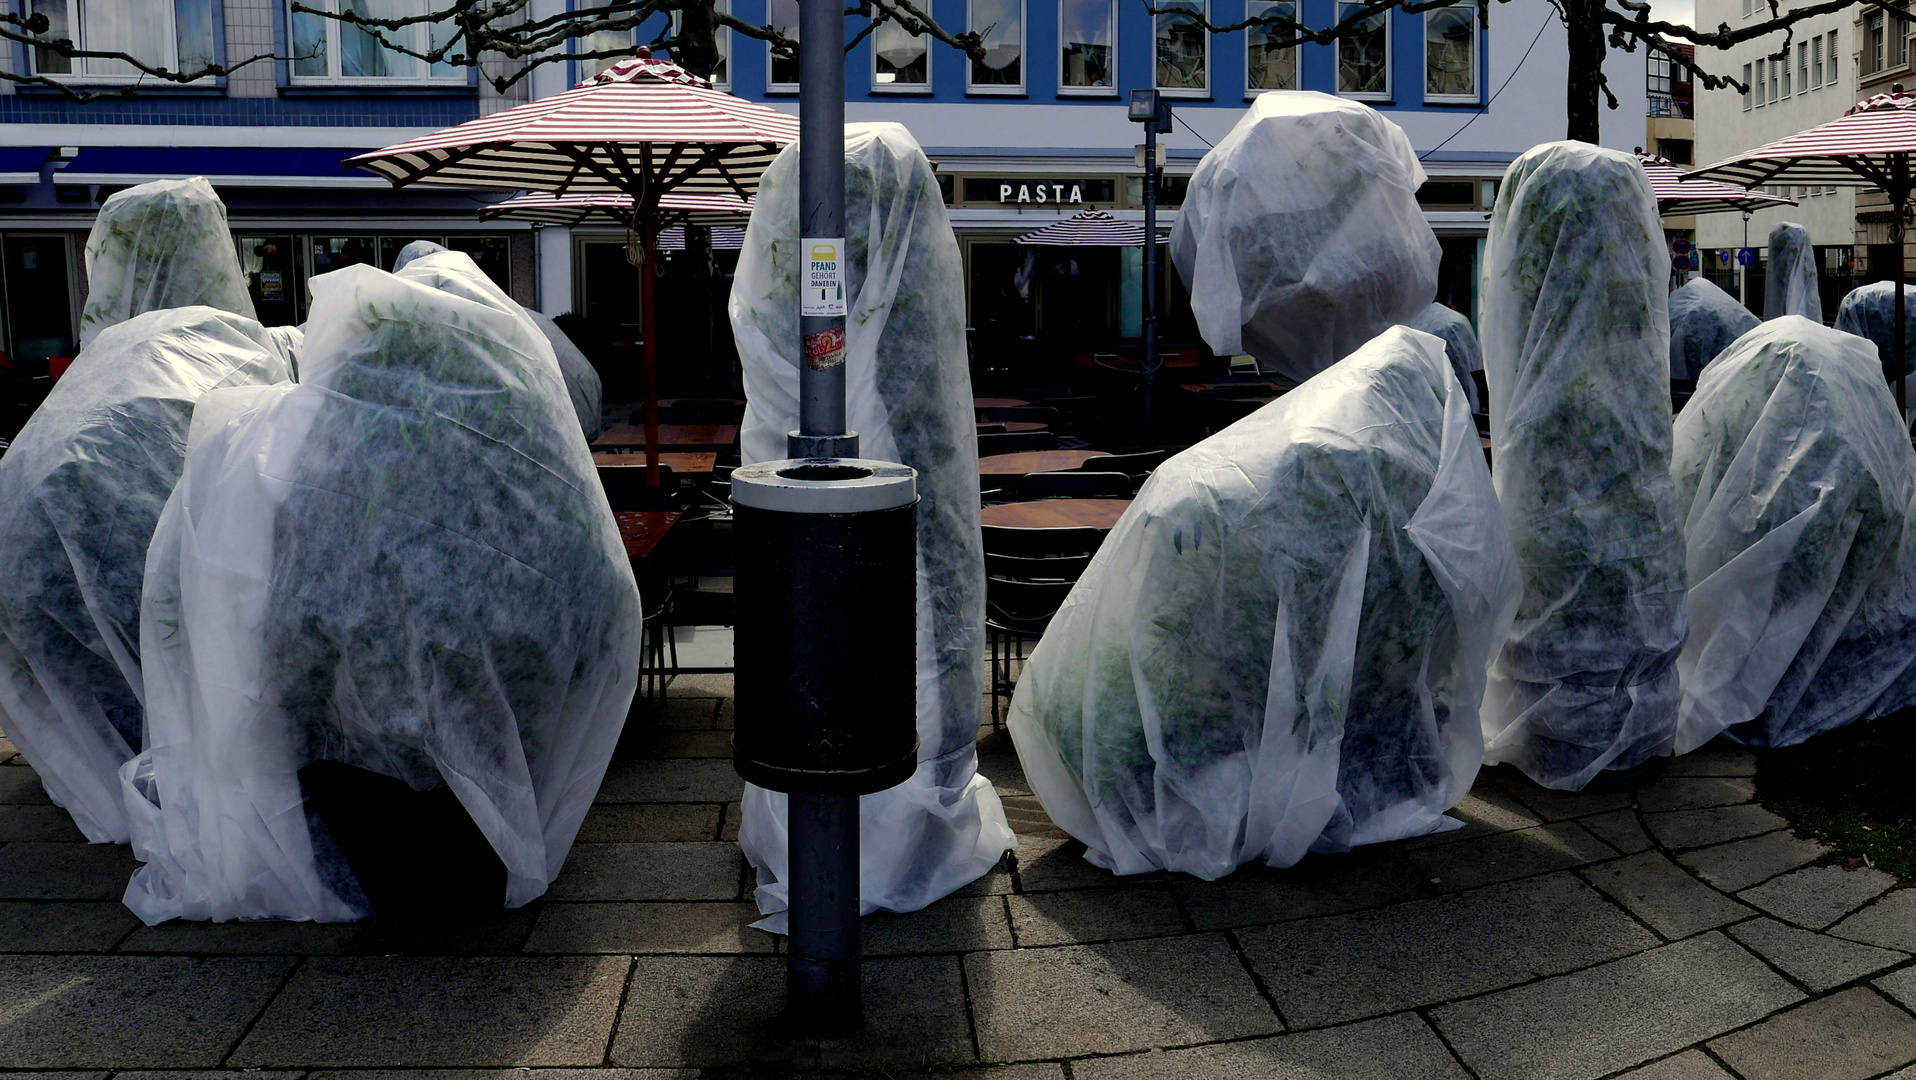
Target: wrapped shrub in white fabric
{"points": [[1300, 238], [1796, 478], [908, 395], [1869, 311], [405, 564], [1703, 321], [1460, 344], [1790, 287], [80, 491], [1281, 646], [160, 245], [1576, 350]]}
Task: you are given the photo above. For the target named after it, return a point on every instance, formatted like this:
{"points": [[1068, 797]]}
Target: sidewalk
{"points": [[1676, 932]]}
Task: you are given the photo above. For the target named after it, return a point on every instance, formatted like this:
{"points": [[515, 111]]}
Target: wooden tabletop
{"points": [[643, 529], [1031, 461], [1014, 426], [1057, 514], [997, 402], [685, 464], [1249, 386], [671, 435]]}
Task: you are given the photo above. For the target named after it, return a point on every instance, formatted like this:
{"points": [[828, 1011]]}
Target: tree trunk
{"points": [[1583, 89]]}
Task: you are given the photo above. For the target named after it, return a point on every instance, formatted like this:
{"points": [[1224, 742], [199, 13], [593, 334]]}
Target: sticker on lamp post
{"points": [[824, 293]]}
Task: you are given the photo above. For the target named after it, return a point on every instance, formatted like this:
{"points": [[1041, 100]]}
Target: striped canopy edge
{"points": [[1087, 228]]}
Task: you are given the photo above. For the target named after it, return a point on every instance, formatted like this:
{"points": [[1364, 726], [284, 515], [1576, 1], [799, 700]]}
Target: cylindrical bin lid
{"points": [[826, 641]]}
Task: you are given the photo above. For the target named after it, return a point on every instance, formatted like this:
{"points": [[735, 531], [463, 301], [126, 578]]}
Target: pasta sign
{"points": [[1040, 193]]}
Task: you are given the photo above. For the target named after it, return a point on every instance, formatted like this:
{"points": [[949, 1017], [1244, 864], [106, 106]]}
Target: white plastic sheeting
{"points": [[160, 245], [1576, 350], [1796, 478], [1300, 237], [417, 249], [1869, 311], [1790, 287], [1703, 321], [1460, 345], [908, 395], [80, 491], [404, 564], [1281, 646]]}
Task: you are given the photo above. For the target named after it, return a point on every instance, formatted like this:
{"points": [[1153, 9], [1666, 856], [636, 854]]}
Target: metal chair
{"points": [[1076, 485], [1016, 443], [1136, 466], [626, 489], [1028, 574]]}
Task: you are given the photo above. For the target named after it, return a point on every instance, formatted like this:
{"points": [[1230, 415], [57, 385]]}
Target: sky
{"points": [[1676, 11]]}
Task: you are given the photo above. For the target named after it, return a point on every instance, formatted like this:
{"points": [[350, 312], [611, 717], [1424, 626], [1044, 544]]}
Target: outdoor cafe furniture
{"points": [[1006, 465], [1057, 514], [685, 463], [642, 532], [987, 403], [674, 435], [1010, 427]]}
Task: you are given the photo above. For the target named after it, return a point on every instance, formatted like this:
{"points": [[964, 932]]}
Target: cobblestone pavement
{"points": [[1676, 931]]}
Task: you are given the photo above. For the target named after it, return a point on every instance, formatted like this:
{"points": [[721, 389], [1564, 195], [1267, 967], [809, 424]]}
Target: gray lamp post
{"points": [[1149, 107]]}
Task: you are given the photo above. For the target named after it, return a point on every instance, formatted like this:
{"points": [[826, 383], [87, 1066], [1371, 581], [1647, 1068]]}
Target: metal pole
{"points": [[1150, 268], [822, 980], [648, 325], [1899, 204]]}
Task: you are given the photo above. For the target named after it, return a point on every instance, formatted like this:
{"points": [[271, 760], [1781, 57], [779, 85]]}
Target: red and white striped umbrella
{"points": [[1087, 228], [571, 210], [724, 238], [1677, 197]]}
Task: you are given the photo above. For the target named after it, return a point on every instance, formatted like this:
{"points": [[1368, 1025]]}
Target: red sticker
{"points": [[825, 349]]}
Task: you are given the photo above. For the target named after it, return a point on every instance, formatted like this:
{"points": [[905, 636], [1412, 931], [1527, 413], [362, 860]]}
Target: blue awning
{"points": [[21, 164], [225, 166]]}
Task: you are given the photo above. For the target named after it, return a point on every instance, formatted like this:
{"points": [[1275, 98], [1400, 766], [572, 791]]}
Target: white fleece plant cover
{"points": [[1703, 321], [1280, 648], [1460, 344], [160, 245], [1790, 285], [1796, 477], [1869, 311], [80, 491], [1577, 353], [404, 564], [908, 395], [1300, 237]]}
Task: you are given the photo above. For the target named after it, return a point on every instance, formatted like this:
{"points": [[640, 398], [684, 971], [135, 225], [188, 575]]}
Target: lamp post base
{"points": [[822, 974]]}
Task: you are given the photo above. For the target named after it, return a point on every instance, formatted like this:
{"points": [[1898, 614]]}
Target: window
{"points": [[174, 34], [1784, 72], [1086, 31], [1773, 81], [1803, 83], [1748, 87], [1183, 48], [326, 50], [1898, 41], [1748, 6], [1762, 91], [1363, 59], [1680, 151], [1659, 74], [1834, 72], [1001, 23], [1271, 62], [1450, 53], [1873, 55], [1816, 60], [901, 61], [782, 70]]}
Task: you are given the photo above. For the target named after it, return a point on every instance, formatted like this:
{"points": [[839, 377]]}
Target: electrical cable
{"points": [[1495, 96]]}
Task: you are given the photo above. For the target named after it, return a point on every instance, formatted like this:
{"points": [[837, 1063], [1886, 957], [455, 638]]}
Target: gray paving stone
{"points": [[1347, 967], [1900, 985], [65, 871], [1487, 809], [718, 685], [1699, 828], [1027, 817], [208, 1074], [648, 781], [1007, 776], [244, 938], [1693, 793], [1113, 998], [1394, 1048], [19, 784], [1721, 758], [31, 822], [728, 826], [637, 928], [703, 871], [1743, 863], [1818, 961], [1620, 829], [645, 823], [1848, 1036], [677, 714], [1068, 918], [399, 1011], [1689, 1065], [1889, 922], [1552, 805], [1594, 1022], [65, 1074], [117, 1012], [996, 882], [486, 1074], [915, 1014], [79, 926], [501, 932], [1318, 885], [1503, 856], [1662, 894], [1818, 895], [688, 744], [952, 925], [1045, 864]]}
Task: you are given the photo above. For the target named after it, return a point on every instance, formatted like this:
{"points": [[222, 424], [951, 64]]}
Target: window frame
{"points": [[891, 88], [1803, 67], [1476, 96], [1111, 25], [1816, 58], [1017, 89], [1185, 92], [1834, 75], [335, 60], [1785, 72], [1762, 91], [771, 59], [217, 17], [1338, 58], [1297, 60], [1749, 93]]}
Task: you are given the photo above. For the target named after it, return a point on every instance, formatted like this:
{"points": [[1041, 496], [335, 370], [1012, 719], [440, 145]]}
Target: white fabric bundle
{"points": [[908, 395], [1281, 646], [80, 491], [1300, 237], [1790, 287], [404, 564], [1869, 311], [1796, 477], [1576, 350], [156, 246], [1460, 345], [1703, 321]]}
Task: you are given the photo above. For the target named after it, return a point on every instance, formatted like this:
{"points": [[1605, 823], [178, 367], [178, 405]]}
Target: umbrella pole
{"points": [[1899, 202], [648, 238]]}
